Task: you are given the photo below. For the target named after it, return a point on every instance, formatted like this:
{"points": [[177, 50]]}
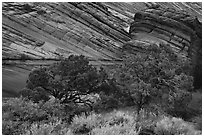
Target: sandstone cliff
{"points": [[179, 29], [36, 34]]}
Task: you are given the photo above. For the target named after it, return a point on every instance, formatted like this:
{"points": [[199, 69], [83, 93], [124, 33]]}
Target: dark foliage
{"points": [[36, 95], [39, 77], [157, 77], [106, 103], [70, 80]]}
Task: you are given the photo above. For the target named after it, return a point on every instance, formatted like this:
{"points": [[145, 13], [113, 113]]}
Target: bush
{"points": [[146, 121], [10, 127], [39, 94], [26, 93], [52, 128], [19, 113], [18, 109], [105, 103], [177, 104], [54, 109], [36, 95], [84, 124], [118, 117], [174, 126], [116, 123], [115, 130]]}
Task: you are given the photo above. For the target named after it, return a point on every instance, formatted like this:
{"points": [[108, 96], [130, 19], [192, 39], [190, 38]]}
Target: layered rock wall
{"points": [[178, 29], [47, 30], [38, 34], [165, 25]]}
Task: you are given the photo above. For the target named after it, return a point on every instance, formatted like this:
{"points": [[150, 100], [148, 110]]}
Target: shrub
{"points": [[130, 122], [18, 109], [54, 109], [115, 130], [111, 122], [26, 93], [118, 117], [19, 113], [52, 128], [174, 126], [36, 95], [84, 124], [40, 94], [116, 123], [74, 109], [146, 121], [177, 104], [105, 103], [10, 127]]}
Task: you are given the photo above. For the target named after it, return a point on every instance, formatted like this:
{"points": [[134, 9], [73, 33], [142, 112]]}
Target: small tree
{"points": [[70, 80], [147, 77]]}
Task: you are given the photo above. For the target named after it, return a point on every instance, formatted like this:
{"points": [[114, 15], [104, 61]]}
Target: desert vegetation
{"points": [[148, 93]]}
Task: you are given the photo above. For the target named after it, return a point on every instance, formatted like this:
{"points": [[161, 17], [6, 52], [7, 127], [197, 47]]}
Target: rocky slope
{"points": [[36, 34]]}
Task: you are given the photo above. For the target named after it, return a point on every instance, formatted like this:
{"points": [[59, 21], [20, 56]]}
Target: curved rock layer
{"points": [[177, 28], [35, 34], [50, 30], [158, 24]]}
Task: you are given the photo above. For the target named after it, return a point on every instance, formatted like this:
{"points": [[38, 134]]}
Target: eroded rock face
{"points": [[35, 34], [97, 30], [165, 25], [50, 30], [179, 29]]}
